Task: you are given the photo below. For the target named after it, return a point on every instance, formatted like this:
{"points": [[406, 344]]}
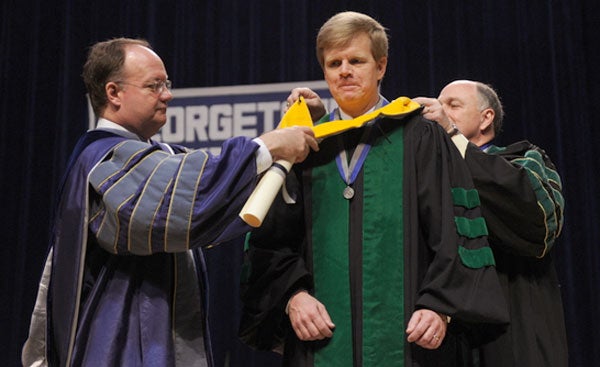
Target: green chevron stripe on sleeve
{"points": [[476, 258], [471, 228], [546, 185], [465, 198]]}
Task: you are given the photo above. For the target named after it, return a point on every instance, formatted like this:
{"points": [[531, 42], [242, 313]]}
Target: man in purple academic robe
{"points": [[124, 280]]}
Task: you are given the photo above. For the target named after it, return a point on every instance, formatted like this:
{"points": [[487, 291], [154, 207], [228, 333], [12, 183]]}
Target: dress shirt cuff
{"points": [[263, 157]]}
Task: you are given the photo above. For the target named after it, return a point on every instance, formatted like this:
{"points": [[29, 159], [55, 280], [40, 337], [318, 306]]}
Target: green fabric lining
{"points": [[330, 262], [383, 246], [476, 258], [383, 290]]}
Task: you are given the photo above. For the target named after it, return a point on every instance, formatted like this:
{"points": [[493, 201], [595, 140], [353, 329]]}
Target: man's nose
{"points": [[166, 95], [345, 68]]}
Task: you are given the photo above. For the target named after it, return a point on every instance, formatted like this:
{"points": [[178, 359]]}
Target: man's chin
{"points": [[159, 122], [349, 95], [160, 117], [347, 99]]}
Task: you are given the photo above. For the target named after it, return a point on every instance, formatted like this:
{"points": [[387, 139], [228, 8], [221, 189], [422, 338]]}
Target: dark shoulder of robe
{"points": [[107, 306], [404, 221], [522, 203]]}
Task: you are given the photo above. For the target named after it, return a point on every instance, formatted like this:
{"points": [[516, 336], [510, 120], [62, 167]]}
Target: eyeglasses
{"points": [[157, 87]]}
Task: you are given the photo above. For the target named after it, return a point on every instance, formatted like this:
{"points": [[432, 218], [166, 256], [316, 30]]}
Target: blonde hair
{"points": [[341, 28]]}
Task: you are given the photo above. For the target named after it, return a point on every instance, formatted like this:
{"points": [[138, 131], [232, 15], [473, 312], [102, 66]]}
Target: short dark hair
{"points": [[104, 64]]}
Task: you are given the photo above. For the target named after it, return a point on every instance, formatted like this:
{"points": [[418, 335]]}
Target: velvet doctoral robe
{"points": [[411, 237], [125, 271], [521, 196]]}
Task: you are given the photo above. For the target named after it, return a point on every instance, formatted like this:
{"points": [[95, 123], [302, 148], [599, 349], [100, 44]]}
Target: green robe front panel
{"points": [[382, 270]]}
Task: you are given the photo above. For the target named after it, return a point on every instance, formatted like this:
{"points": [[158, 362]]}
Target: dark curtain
{"points": [[542, 57]]}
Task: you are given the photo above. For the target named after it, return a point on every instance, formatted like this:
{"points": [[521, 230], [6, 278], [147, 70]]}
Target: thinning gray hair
{"points": [[489, 99]]}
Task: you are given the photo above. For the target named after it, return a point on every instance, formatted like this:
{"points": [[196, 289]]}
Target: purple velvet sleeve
{"points": [[147, 200]]}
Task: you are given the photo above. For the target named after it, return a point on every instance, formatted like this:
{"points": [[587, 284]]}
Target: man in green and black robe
{"points": [[411, 237], [383, 236]]}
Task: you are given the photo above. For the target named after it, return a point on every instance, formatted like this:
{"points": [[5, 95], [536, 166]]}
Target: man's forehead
{"points": [[140, 61], [360, 43], [458, 92]]}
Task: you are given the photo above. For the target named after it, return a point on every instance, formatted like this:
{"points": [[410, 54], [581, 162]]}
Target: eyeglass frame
{"points": [[157, 87]]}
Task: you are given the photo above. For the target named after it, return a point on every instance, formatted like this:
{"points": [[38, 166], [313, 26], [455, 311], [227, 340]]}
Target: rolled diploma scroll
{"points": [[259, 203]]}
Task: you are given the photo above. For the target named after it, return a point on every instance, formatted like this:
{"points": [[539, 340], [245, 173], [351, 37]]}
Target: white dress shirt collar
{"points": [[107, 125]]}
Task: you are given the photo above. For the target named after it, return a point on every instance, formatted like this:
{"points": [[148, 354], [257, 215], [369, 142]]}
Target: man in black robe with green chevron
{"points": [[376, 253], [522, 202]]}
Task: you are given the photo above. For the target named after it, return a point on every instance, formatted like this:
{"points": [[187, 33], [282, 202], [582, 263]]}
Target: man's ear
{"points": [[112, 90], [487, 118], [381, 67]]}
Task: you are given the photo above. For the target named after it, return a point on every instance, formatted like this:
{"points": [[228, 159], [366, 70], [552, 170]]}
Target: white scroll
{"points": [[262, 197]]}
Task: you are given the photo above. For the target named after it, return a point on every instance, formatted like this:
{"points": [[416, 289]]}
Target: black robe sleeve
{"points": [[275, 270], [454, 261], [520, 195]]}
